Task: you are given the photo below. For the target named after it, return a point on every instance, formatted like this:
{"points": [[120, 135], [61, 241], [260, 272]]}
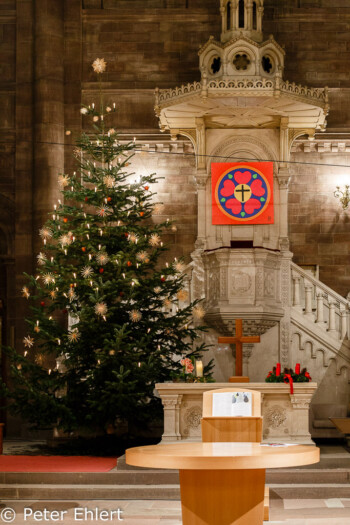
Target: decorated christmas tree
{"points": [[108, 319]]}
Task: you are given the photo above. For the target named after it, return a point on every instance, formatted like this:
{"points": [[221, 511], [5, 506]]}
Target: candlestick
{"points": [[278, 369], [199, 368], [297, 368]]}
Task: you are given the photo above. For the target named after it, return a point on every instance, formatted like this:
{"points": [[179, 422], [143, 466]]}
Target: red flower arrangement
{"points": [[288, 376]]}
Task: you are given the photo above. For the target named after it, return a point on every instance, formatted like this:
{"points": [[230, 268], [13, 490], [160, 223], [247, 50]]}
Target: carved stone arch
{"points": [[207, 58], [296, 343], [308, 344], [325, 362], [189, 134], [296, 133], [344, 369], [236, 145], [238, 48], [277, 57]]}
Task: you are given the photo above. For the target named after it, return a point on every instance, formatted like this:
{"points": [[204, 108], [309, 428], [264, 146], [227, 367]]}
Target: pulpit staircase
{"points": [[320, 320]]}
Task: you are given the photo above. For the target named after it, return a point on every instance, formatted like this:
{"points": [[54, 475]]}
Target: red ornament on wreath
{"points": [[42, 303], [146, 188], [142, 213], [129, 263], [86, 199], [109, 199], [65, 219], [83, 249], [101, 270]]}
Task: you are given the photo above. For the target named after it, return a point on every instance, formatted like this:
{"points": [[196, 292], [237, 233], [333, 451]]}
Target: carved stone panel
{"points": [[241, 283], [248, 284], [191, 420]]}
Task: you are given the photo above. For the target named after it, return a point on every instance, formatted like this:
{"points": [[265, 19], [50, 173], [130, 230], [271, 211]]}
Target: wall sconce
{"points": [[343, 196]]}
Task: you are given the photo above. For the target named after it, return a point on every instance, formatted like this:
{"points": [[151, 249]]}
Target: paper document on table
{"points": [[232, 404], [279, 444]]}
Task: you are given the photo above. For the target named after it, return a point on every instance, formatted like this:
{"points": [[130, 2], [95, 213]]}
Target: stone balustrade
{"points": [[320, 304]]}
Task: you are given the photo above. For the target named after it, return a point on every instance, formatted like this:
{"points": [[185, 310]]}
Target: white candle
{"points": [[199, 368]]}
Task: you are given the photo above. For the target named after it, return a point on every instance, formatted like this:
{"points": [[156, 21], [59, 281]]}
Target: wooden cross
{"points": [[238, 341]]}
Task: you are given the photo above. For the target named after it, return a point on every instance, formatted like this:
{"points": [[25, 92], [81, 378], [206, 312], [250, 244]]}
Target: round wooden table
{"points": [[222, 483]]}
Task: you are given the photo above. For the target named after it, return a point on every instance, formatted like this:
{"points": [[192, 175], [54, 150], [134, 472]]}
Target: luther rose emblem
{"points": [[242, 193]]}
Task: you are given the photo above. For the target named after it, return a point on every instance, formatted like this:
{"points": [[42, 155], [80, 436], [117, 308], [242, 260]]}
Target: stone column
{"points": [[201, 182], [49, 109], [283, 180], [23, 168], [249, 14], [171, 405], [300, 419], [285, 335], [73, 70]]}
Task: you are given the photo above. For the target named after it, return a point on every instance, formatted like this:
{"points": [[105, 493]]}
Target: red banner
{"points": [[242, 193]]}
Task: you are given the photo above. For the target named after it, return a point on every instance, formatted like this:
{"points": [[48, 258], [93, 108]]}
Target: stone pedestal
{"points": [[285, 416]]}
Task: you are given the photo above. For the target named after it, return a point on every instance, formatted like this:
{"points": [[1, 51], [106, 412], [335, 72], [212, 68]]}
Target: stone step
{"points": [[164, 477], [114, 477], [307, 491], [89, 492], [309, 476], [157, 492]]}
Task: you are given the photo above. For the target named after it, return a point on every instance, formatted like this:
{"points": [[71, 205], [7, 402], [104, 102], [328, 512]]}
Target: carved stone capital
{"points": [[283, 177], [300, 403], [284, 244], [170, 402], [201, 178]]}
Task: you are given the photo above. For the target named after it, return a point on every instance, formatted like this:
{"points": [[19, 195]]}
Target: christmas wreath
{"points": [[288, 376]]}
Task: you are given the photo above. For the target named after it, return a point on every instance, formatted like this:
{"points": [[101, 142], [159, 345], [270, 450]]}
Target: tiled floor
{"points": [[287, 512], [282, 512]]}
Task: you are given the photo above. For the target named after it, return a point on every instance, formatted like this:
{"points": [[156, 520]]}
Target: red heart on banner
{"points": [[257, 188], [251, 205], [243, 178], [228, 189], [234, 205]]}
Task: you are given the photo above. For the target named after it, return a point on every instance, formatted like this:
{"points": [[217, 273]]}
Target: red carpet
{"points": [[56, 464]]}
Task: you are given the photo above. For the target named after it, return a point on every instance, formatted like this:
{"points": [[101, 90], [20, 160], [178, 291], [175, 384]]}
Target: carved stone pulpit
{"points": [[243, 111]]}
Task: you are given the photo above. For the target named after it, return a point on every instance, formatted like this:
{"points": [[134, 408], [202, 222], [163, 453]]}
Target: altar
{"points": [[285, 415]]}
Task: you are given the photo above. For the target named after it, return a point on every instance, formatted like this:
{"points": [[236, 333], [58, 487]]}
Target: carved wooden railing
{"points": [[320, 304]]}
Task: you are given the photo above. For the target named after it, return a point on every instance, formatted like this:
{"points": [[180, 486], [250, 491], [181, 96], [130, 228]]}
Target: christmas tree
{"points": [[108, 320]]}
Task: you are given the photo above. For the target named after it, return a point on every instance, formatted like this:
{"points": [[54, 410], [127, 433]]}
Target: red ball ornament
{"points": [[142, 213], [126, 234], [162, 279], [146, 188], [86, 199], [65, 219], [101, 270], [129, 263], [109, 199], [42, 303], [83, 249]]}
